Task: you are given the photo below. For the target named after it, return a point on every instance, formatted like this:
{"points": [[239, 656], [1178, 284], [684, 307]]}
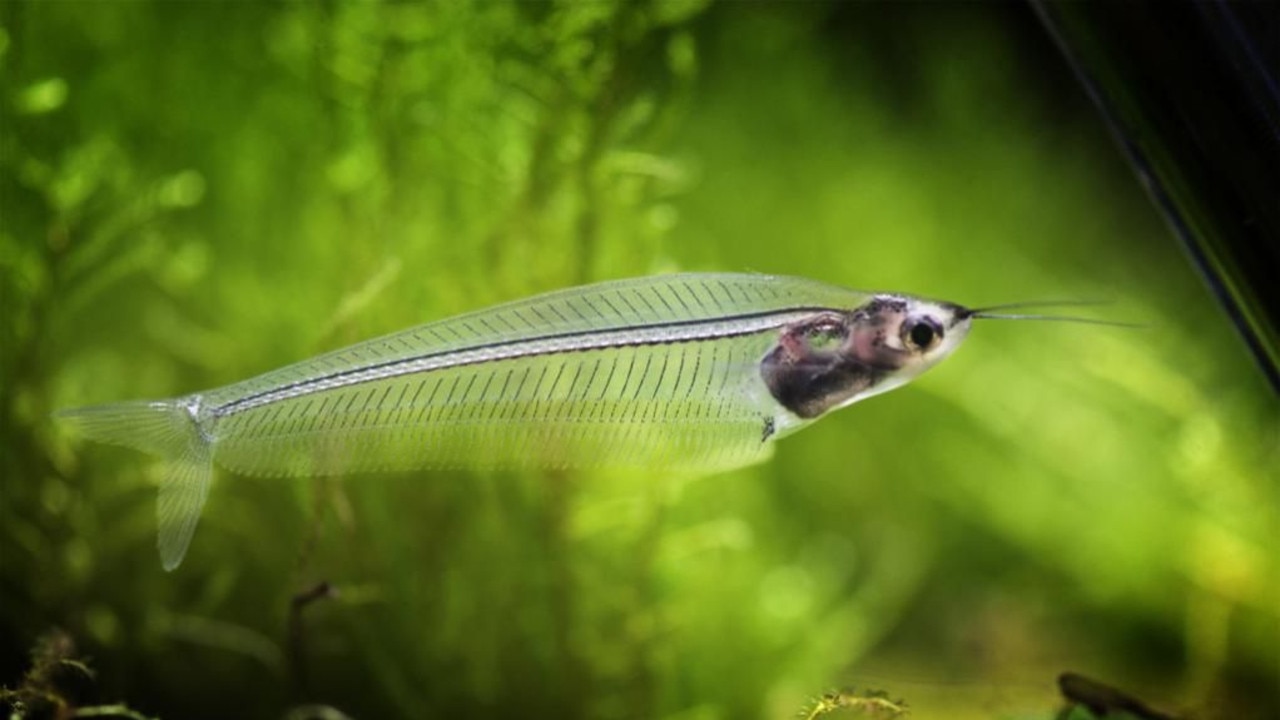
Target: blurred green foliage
{"points": [[193, 193]]}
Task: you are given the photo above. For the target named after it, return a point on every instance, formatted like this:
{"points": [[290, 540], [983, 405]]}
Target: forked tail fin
{"points": [[171, 430]]}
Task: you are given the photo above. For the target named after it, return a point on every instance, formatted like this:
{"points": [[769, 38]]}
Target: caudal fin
{"points": [[171, 430]]}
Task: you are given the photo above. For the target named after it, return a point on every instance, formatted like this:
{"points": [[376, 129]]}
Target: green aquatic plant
{"points": [[867, 704], [58, 685]]}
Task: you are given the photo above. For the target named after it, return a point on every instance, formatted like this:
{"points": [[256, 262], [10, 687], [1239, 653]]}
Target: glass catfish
{"points": [[687, 372]]}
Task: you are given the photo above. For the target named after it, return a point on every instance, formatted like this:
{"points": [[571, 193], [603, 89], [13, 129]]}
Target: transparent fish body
{"points": [[656, 372], [661, 372], [690, 372]]}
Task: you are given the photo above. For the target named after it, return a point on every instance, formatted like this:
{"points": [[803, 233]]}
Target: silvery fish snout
{"points": [[933, 330]]}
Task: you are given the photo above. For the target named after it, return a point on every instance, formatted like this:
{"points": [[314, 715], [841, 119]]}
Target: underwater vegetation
{"points": [[195, 193]]}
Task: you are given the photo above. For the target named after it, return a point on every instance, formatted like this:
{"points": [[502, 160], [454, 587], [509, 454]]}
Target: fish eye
{"points": [[923, 334]]}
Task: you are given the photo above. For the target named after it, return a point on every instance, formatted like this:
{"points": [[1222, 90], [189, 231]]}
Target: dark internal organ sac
{"points": [[825, 361]]}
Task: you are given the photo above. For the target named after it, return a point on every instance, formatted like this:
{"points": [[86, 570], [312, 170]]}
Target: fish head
{"points": [[836, 358], [903, 336]]}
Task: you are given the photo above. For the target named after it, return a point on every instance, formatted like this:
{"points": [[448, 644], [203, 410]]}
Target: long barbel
{"points": [[660, 371]]}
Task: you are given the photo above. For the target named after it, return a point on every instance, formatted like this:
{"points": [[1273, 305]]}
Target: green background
{"points": [[193, 193]]}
